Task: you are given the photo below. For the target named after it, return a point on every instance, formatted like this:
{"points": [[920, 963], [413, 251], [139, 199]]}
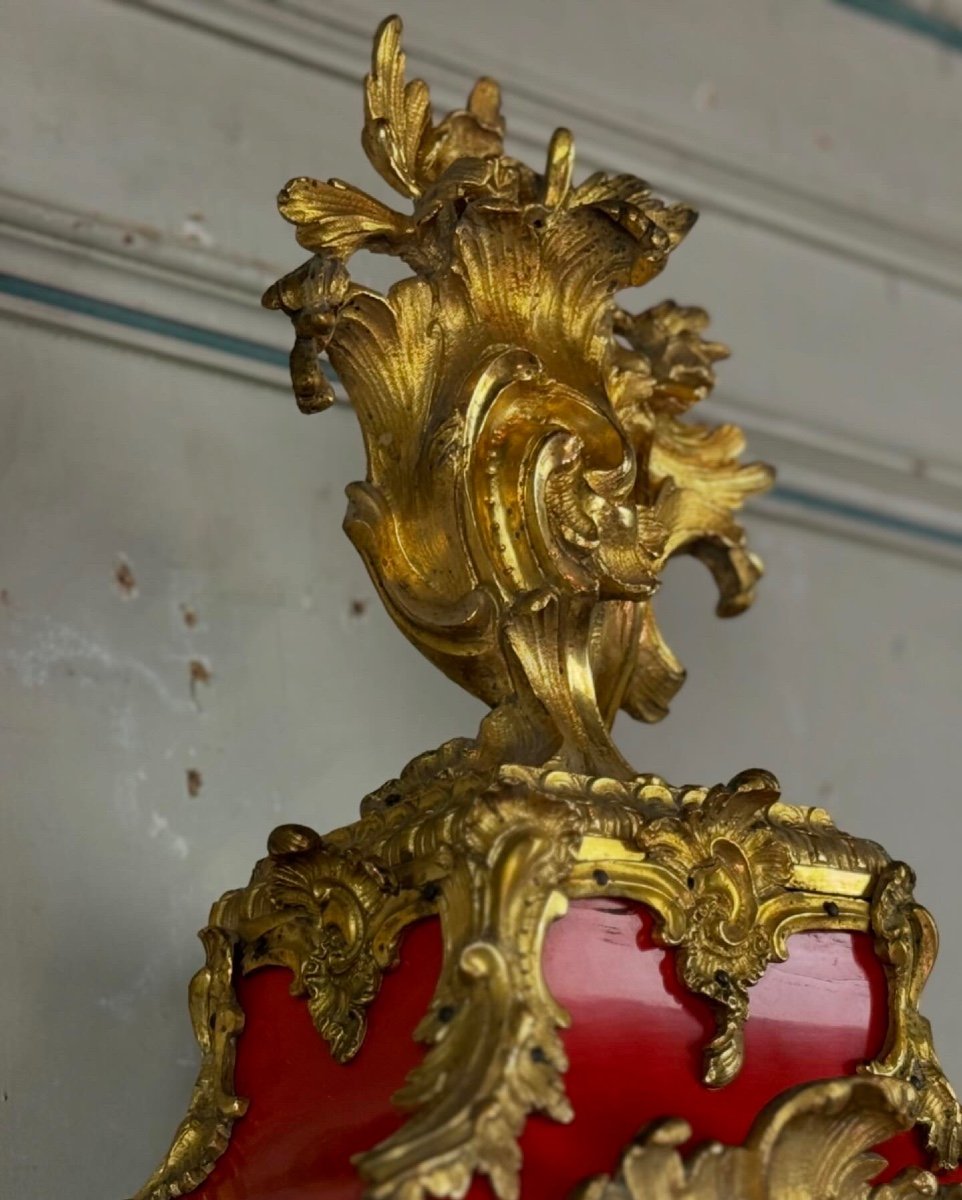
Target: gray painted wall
{"points": [[141, 144]]}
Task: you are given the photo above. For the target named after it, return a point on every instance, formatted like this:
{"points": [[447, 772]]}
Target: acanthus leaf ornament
{"points": [[813, 1143], [529, 468]]}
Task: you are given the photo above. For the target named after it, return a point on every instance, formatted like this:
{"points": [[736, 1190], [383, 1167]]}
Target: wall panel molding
{"points": [[336, 39], [92, 278]]}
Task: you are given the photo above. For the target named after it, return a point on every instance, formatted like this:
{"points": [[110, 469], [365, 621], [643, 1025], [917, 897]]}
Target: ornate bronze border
{"points": [[730, 872]]}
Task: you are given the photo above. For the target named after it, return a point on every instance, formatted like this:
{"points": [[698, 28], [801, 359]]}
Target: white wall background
{"points": [[141, 144]]}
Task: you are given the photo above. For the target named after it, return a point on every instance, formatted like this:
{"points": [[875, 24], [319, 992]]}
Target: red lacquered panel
{"points": [[634, 1046]]}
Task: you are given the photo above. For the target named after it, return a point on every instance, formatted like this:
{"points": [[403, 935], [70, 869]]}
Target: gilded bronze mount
{"points": [[730, 872], [531, 471]]}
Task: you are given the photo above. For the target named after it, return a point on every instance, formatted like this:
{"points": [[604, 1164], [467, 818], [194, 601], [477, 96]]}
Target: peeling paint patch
{"points": [[125, 1004], [159, 828], [127, 797], [124, 731], [42, 647]]}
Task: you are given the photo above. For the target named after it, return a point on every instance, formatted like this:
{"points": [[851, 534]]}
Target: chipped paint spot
{"points": [[189, 616], [194, 229], [199, 673], [195, 781], [358, 607], [125, 579]]}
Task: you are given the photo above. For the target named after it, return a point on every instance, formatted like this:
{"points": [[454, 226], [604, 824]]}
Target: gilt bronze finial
{"points": [[530, 466]]}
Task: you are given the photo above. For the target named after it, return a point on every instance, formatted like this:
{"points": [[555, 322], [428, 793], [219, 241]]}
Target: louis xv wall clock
{"points": [[525, 956]]}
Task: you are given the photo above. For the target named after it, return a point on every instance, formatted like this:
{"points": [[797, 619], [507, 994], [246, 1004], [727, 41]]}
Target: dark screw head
{"points": [[601, 878], [831, 908], [723, 979], [392, 798], [430, 891], [446, 1013], [538, 1055]]}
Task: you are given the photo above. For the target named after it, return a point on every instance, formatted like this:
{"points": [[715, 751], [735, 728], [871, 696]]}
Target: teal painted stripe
{"points": [[245, 348], [867, 516], [135, 318], [896, 12]]}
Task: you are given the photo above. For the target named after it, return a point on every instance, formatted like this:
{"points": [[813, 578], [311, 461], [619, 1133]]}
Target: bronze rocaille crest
{"points": [[529, 470]]}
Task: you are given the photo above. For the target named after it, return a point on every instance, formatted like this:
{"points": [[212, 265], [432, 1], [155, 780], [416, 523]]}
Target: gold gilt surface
{"points": [[531, 469], [812, 1143]]}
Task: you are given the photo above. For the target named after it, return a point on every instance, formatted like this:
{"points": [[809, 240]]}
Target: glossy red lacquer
{"points": [[634, 1046]]}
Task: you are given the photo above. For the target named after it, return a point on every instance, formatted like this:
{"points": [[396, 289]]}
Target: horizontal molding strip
{"points": [[339, 46], [138, 319], [888, 522], [811, 503]]}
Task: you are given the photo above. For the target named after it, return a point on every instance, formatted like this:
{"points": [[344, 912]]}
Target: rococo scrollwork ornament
{"points": [[814, 1143], [531, 470]]}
